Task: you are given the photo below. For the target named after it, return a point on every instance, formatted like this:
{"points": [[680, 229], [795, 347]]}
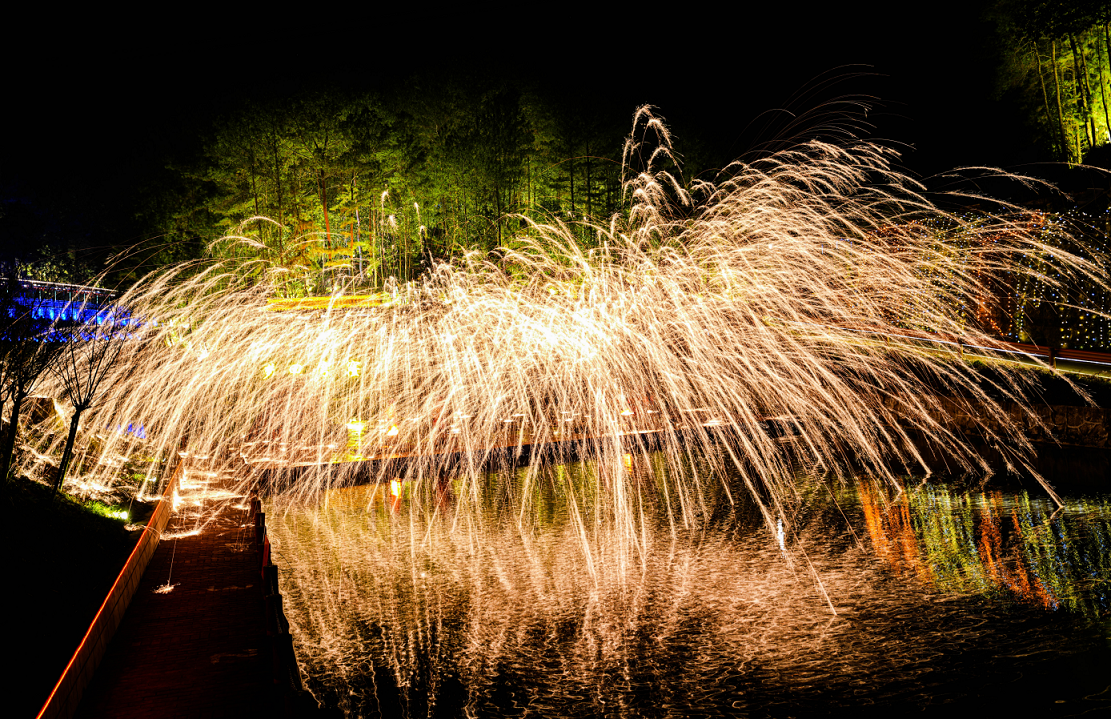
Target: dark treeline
{"points": [[352, 156]]}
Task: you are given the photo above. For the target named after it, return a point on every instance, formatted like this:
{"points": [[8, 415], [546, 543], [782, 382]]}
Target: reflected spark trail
{"points": [[400, 613]]}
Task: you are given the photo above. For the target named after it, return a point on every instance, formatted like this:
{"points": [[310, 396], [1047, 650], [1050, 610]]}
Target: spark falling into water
{"points": [[743, 329], [699, 316]]}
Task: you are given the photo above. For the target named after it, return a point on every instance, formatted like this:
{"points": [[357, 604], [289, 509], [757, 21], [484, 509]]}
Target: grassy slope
{"points": [[60, 560]]}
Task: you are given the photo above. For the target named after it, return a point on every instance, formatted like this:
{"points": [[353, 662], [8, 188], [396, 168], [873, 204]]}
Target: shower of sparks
{"points": [[698, 315]]}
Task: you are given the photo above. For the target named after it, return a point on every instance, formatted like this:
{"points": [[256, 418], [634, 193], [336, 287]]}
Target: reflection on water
{"points": [[997, 544], [573, 590]]}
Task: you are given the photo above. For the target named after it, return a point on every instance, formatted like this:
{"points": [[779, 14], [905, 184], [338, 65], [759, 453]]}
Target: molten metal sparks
{"points": [[744, 329], [771, 294], [182, 534]]}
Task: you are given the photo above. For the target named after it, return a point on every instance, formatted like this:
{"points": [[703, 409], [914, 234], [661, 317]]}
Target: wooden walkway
{"points": [[200, 649]]}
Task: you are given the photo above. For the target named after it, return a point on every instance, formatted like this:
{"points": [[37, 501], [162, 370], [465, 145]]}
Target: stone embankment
{"points": [[1057, 424]]}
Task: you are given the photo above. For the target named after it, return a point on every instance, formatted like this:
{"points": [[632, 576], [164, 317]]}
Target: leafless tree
{"points": [[82, 367], [28, 347]]}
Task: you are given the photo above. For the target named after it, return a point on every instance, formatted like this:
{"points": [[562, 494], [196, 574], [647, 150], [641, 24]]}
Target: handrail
{"points": [[999, 346], [64, 699]]}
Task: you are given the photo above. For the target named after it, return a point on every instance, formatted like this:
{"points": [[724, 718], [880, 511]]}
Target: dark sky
{"points": [[89, 100]]}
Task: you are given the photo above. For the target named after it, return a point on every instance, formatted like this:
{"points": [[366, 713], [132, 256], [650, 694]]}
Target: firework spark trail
{"points": [[720, 306]]}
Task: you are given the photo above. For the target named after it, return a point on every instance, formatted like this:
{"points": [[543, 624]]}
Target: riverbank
{"points": [[60, 558]]}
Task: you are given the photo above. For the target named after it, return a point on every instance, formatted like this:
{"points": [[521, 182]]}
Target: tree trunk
{"points": [[355, 222], [67, 453], [1088, 92], [253, 159], [1078, 81], [1102, 91], [1107, 53], [324, 206], [1045, 95], [278, 190], [589, 206], [254, 191], [498, 205], [327, 231], [611, 192], [7, 449], [1060, 110], [571, 174]]}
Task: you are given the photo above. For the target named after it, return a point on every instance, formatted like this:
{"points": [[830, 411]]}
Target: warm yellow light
{"points": [[295, 368], [395, 487], [268, 369], [626, 412], [392, 431], [352, 368], [355, 425]]}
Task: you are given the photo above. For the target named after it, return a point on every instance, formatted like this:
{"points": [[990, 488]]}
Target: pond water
{"points": [[574, 590]]}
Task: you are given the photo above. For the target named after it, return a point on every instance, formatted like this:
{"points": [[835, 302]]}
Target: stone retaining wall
{"points": [[1073, 426]]}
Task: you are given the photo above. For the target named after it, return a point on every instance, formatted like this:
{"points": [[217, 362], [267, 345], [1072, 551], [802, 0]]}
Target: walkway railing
{"points": [[1099, 362], [66, 696]]}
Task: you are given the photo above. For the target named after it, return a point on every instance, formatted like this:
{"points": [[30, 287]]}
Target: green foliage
{"points": [[1059, 66], [110, 511], [34, 245], [380, 186]]}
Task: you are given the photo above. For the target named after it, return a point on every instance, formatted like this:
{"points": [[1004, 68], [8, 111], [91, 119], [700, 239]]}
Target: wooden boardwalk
{"points": [[201, 649]]}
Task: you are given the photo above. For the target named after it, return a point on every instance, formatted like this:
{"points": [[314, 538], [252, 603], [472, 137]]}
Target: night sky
{"points": [[92, 106]]}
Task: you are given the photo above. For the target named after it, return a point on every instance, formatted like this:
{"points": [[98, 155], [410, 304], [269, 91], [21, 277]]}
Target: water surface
{"points": [[579, 590]]}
